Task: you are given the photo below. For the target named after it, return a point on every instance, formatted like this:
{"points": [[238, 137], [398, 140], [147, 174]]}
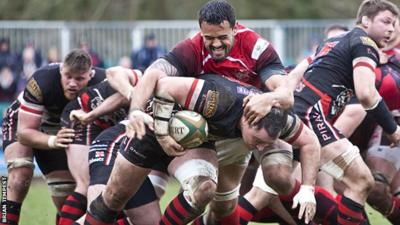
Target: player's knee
{"points": [[197, 176], [278, 178], [20, 172], [60, 186], [99, 210], [20, 179], [364, 181], [116, 198], [204, 193]]}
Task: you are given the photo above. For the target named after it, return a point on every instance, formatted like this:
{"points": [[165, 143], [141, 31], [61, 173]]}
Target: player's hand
{"points": [[80, 116], [394, 138], [256, 107], [170, 146], [305, 197], [137, 122], [64, 137]]}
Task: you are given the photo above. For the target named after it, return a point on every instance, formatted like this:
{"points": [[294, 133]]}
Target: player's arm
{"points": [[372, 102], [108, 106], [308, 144], [273, 76], [297, 73], [29, 134], [123, 80], [302, 138]]}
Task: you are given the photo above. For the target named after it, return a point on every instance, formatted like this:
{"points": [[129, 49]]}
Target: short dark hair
{"points": [[78, 61], [216, 11], [336, 27], [371, 8], [273, 122]]}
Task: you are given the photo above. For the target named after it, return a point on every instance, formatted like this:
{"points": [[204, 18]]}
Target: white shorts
{"points": [[259, 182], [232, 152]]}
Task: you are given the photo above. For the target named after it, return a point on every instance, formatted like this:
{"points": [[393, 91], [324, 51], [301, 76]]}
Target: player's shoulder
{"points": [[359, 37], [45, 76]]}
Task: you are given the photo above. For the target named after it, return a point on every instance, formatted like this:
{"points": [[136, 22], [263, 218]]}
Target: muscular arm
{"points": [[122, 79], [109, 105], [280, 91], [310, 149], [28, 131], [364, 85], [297, 73]]}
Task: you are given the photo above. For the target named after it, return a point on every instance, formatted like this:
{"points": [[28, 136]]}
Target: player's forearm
{"points": [[297, 73], [109, 105], [119, 81], [145, 88], [33, 138], [309, 159]]}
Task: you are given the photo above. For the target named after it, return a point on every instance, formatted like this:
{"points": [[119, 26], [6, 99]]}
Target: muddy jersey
{"points": [[220, 101], [329, 77], [252, 59], [43, 95]]}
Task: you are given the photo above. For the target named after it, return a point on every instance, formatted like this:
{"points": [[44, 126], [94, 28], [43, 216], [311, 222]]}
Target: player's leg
{"points": [[261, 204], [144, 208], [342, 160], [125, 180], [19, 159], [197, 173]]}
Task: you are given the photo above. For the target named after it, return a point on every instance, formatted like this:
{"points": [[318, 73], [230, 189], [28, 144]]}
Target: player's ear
{"points": [[235, 29], [365, 21]]}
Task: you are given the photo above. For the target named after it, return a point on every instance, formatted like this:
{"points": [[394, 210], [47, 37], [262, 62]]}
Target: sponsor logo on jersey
{"points": [[368, 41], [33, 88], [211, 104]]}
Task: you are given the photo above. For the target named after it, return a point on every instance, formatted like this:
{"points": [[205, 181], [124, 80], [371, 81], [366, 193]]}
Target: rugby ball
{"points": [[188, 128]]}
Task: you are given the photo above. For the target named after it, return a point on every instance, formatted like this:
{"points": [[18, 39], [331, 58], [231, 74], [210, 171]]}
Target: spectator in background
{"points": [[125, 62], [96, 59], [6, 57], [8, 84], [52, 56], [335, 30], [28, 66], [148, 53]]}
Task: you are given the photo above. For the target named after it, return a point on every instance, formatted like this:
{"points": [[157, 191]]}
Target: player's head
{"points": [[266, 131], [377, 18], [76, 71], [335, 30], [217, 24]]}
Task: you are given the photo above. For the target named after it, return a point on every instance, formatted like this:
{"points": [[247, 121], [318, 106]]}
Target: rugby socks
{"points": [[232, 219], [349, 212], [246, 210], [74, 207], [178, 212], [327, 208], [394, 214], [100, 214], [13, 212]]}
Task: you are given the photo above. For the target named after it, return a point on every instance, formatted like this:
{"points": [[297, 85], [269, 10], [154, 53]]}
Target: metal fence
{"points": [[112, 40]]}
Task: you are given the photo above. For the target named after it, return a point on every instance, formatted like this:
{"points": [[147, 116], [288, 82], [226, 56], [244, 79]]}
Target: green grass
{"points": [[39, 210]]}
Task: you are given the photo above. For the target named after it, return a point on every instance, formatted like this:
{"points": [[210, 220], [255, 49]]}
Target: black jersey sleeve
{"points": [[364, 49]]}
